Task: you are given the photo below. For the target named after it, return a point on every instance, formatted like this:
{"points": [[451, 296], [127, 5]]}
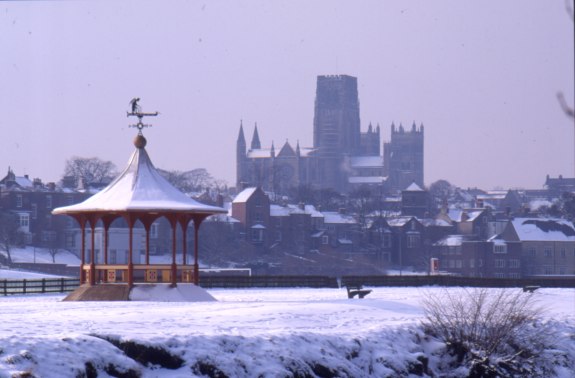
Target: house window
{"points": [[563, 253], [499, 275], [532, 252], [412, 241], [24, 220], [19, 200], [34, 211], [257, 235], [547, 252], [514, 263], [324, 239], [458, 264], [480, 263], [113, 256], [386, 241], [278, 236], [48, 201], [499, 263], [514, 275], [500, 248], [472, 263]]}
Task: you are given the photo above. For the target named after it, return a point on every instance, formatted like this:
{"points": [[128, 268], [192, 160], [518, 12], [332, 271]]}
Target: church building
{"points": [[342, 157]]}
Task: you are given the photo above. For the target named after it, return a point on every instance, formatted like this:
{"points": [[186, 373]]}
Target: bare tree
{"points": [[10, 234], [189, 181], [90, 170]]}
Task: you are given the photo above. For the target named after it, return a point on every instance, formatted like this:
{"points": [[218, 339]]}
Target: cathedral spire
{"points": [[297, 150], [273, 150], [241, 143], [256, 145]]}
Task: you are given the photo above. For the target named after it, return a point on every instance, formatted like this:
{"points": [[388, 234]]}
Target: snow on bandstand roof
{"points": [[140, 188]]}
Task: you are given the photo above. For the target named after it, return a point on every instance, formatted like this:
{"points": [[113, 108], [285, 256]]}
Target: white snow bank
{"points": [[245, 333], [166, 293]]}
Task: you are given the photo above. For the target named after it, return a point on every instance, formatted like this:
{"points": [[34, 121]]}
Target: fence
{"points": [[61, 285], [56, 285]]}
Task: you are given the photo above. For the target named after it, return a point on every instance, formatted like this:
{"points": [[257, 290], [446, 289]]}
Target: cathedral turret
{"points": [[256, 145]]}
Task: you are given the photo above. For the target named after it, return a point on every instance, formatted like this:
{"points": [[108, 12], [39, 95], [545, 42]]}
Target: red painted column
{"points": [[83, 257], [174, 269], [106, 244], [196, 264], [93, 254], [130, 252]]}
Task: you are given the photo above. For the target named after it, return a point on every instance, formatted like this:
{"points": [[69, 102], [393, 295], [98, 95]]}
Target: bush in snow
{"points": [[491, 332]]}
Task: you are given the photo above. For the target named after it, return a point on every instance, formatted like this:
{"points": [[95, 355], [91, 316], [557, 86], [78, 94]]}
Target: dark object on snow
{"points": [[353, 290], [530, 289]]}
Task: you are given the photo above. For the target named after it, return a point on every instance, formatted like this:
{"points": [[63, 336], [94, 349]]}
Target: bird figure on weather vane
{"points": [[137, 112]]}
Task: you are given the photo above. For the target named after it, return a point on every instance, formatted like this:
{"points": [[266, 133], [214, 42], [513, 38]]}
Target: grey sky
{"points": [[481, 76]]}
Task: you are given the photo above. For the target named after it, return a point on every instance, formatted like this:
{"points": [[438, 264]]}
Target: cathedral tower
{"points": [[403, 158], [336, 128]]}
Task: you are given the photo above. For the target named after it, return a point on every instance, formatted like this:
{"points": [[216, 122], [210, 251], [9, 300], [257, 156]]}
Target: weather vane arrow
{"points": [[137, 112]]}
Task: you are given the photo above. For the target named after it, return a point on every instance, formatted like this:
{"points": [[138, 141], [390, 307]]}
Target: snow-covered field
{"points": [[245, 333]]}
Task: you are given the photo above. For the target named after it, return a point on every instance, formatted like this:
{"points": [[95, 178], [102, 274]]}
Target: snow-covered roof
{"points": [[456, 215], [427, 222], [244, 195], [541, 229], [366, 161], [366, 179], [260, 153], [139, 188], [413, 188], [306, 151], [24, 182], [399, 221], [335, 217], [287, 210]]}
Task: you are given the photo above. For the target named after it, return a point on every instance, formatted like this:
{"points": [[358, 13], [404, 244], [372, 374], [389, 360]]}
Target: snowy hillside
{"points": [[249, 333]]}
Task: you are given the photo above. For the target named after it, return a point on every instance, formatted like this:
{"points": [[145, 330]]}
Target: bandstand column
{"points": [[83, 253], [92, 253], [174, 267], [196, 264], [130, 252]]}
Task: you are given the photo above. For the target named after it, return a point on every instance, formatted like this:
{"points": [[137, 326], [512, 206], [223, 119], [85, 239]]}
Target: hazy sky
{"points": [[481, 76]]}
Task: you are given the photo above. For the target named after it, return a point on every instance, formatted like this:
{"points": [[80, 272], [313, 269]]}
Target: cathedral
{"points": [[342, 157]]}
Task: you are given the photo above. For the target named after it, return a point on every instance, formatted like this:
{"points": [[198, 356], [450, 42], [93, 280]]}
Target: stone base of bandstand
{"points": [[157, 292]]}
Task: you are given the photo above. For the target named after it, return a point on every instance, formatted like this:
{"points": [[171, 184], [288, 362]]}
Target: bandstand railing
{"points": [[138, 273]]}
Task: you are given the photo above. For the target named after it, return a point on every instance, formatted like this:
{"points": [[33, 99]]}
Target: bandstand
{"points": [[138, 194]]}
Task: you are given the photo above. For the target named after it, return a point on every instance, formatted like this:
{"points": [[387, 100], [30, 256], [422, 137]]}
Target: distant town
{"points": [[347, 205]]}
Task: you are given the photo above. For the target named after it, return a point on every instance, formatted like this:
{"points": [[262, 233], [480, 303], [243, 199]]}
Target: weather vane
{"points": [[137, 112]]}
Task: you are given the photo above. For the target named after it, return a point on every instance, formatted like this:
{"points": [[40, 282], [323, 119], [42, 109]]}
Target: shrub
{"points": [[477, 324]]}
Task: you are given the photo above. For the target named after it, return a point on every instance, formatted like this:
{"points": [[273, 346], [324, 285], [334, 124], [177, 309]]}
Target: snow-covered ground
{"points": [[41, 255], [245, 333]]}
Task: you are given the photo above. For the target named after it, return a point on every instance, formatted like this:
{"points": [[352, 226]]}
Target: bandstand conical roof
{"points": [[139, 189]]}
